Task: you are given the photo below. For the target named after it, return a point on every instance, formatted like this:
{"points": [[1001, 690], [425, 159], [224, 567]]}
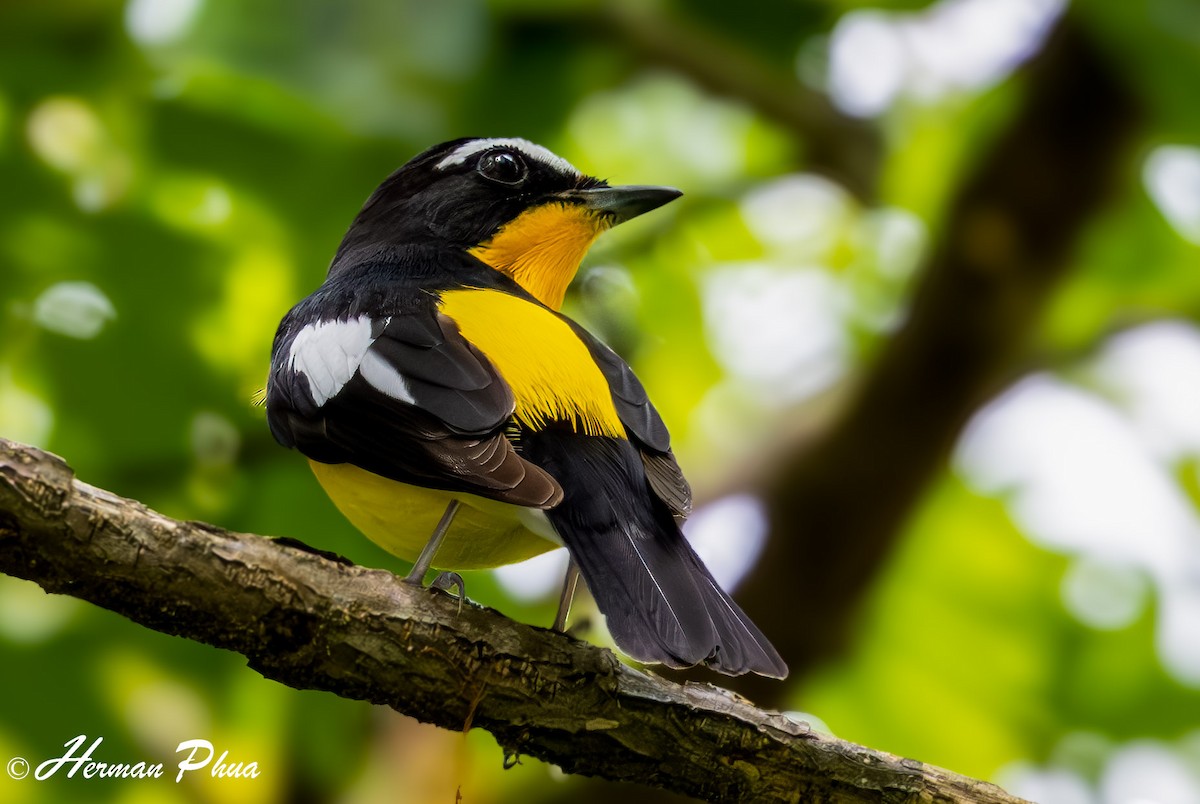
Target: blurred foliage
{"points": [[177, 173]]}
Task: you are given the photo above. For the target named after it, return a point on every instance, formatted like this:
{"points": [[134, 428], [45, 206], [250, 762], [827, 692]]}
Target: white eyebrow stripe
{"points": [[531, 149]]}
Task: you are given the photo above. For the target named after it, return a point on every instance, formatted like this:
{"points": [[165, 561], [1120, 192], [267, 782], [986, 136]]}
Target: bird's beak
{"points": [[620, 204]]}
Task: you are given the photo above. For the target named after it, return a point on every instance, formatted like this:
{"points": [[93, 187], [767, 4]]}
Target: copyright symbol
{"points": [[18, 768]]}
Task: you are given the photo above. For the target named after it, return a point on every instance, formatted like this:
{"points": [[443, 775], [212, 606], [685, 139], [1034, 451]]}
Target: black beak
{"points": [[622, 203]]}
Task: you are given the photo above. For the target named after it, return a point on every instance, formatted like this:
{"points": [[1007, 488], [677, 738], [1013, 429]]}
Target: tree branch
{"points": [[313, 621]]}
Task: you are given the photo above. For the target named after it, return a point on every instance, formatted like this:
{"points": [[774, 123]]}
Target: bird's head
{"points": [[514, 205]]}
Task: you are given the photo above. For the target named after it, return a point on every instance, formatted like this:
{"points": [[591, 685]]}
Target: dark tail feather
{"points": [[742, 648], [654, 609], [661, 603]]}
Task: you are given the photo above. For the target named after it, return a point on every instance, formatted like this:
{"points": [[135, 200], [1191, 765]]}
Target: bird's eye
{"points": [[504, 167]]}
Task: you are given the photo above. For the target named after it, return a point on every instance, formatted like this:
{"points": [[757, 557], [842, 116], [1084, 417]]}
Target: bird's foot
{"points": [[444, 582], [448, 581]]}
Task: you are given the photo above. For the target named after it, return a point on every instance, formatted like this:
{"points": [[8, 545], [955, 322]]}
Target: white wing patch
{"points": [[328, 353], [532, 150], [384, 378]]}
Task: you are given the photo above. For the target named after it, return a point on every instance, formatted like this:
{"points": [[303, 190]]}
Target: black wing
{"points": [[402, 395], [643, 424]]}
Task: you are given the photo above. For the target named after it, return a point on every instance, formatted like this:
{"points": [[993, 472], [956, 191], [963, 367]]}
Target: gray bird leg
{"points": [[568, 594], [425, 560]]}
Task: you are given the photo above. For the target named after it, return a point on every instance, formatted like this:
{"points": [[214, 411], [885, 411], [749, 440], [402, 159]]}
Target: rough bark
{"points": [[313, 621]]}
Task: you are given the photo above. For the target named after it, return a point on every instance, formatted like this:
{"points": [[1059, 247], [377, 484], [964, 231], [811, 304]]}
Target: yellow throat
{"points": [[542, 247]]}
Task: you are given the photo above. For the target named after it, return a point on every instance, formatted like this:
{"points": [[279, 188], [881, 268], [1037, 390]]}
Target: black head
{"points": [[463, 193]]}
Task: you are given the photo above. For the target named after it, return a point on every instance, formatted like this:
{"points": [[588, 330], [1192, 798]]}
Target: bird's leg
{"points": [[568, 594], [423, 562]]}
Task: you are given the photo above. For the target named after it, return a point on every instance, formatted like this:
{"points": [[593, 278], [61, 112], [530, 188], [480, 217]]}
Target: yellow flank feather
{"points": [[550, 371], [399, 518], [542, 247]]}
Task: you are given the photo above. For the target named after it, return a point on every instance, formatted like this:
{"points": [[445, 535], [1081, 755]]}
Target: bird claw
{"points": [[448, 581]]}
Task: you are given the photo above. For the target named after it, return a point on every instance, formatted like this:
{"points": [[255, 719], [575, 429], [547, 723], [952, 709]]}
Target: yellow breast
{"points": [[400, 518], [550, 371], [553, 378]]}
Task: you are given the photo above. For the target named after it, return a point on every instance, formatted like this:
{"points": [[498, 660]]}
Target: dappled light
{"points": [[781, 330], [1172, 177], [709, 529], [75, 309], [939, 406], [950, 48], [1095, 479]]}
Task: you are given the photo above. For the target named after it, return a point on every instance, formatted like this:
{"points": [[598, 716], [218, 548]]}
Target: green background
{"points": [[198, 175]]}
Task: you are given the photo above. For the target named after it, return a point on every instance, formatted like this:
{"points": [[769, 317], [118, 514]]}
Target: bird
{"points": [[455, 416]]}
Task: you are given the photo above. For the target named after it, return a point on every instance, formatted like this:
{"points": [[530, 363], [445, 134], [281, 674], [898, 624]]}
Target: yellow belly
{"points": [[400, 518]]}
